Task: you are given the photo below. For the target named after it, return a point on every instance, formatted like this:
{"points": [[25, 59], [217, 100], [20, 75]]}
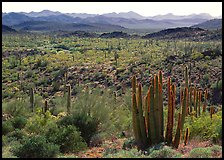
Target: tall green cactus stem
{"points": [[190, 99], [196, 104], [173, 103], [184, 108], [134, 109], [69, 99], [65, 81], [186, 136], [211, 111], [141, 118], [32, 99], [178, 133], [169, 128], [45, 106], [186, 77], [205, 99], [199, 103], [148, 119], [161, 105], [135, 112], [152, 124], [156, 104], [146, 114], [187, 85]]}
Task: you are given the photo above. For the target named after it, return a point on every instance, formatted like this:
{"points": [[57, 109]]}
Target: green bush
{"points": [[133, 153], [7, 127], [19, 122], [36, 147], [86, 124], [205, 127], [67, 137], [17, 134], [200, 153], [16, 107], [40, 123], [165, 152]]}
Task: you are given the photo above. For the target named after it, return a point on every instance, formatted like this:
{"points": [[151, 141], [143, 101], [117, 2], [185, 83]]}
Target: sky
{"points": [[142, 8]]}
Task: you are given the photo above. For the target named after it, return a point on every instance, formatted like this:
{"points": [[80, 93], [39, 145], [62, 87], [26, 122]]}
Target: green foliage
{"points": [[133, 153], [165, 152], [40, 123], [17, 134], [206, 128], [86, 124], [7, 127], [200, 153], [67, 137], [36, 146], [19, 122], [16, 107]]}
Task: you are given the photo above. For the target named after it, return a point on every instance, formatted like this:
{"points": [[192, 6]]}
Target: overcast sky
{"points": [[143, 8]]}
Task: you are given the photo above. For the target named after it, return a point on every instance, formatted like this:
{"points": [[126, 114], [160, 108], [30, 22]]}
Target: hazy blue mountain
{"points": [[42, 13], [59, 18], [127, 15], [210, 24], [14, 18], [171, 16], [129, 20], [57, 26], [7, 29], [81, 15]]}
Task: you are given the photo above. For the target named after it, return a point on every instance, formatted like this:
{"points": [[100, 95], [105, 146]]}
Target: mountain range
{"points": [[52, 21]]}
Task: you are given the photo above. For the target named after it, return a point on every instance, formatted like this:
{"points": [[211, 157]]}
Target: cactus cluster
{"points": [[147, 112]]}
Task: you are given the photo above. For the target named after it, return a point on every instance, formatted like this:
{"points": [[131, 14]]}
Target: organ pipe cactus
{"points": [[205, 100], [186, 136], [147, 111]]}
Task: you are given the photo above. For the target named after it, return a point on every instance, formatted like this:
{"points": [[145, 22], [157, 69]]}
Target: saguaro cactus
{"points": [[69, 99], [135, 113], [45, 106], [31, 99]]}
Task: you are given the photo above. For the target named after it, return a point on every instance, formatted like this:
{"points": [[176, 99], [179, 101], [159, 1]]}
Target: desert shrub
{"points": [[86, 124], [216, 150], [17, 134], [67, 137], [133, 153], [200, 153], [16, 107], [94, 112], [36, 146], [165, 152], [205, 127], [7, 127], [39, 122], [19, 122], [96, 140], [29, 73]]}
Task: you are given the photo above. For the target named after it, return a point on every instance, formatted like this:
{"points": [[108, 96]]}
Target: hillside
{"points": [[210, 24], [7, 29], [196, 34], [49, 26]]}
